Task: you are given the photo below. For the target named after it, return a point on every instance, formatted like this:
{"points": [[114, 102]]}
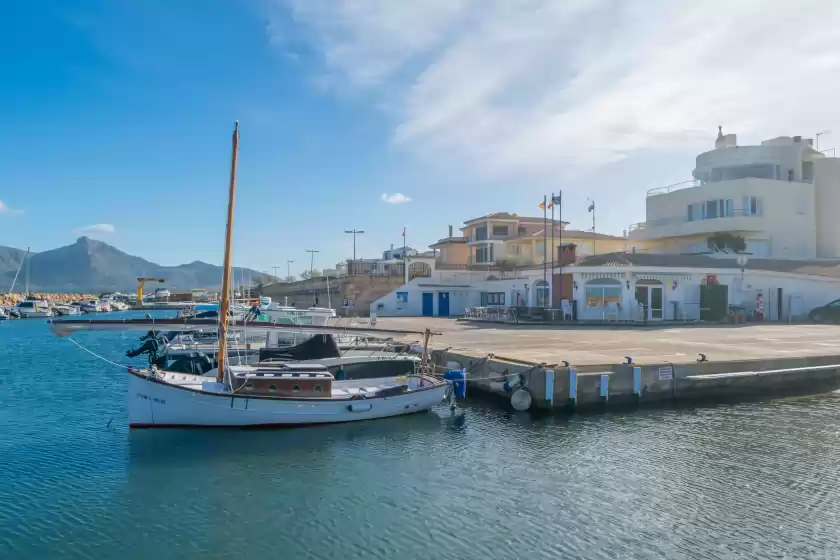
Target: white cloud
{"points": [[95, 228], [538, 88], [396, 198], [6, 210]]}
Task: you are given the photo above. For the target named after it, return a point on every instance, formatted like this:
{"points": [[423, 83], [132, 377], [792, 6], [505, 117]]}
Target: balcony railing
{"points": [[675, 187], [735, 213]]}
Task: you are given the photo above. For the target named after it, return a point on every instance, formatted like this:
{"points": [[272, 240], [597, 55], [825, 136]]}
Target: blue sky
{"points": [[118, 115]]}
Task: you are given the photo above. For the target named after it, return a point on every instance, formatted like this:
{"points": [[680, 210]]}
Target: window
{"points": [[601, 291], [481, 233], [492, 298], [541, 293], [752, 206], [522, 230], [710, 209], [500, 231], [295, 388], [484, 254], [318, 389], [272, 388]]}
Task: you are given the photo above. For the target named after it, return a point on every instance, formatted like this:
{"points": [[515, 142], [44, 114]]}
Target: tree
{"points": [[726, 243], [289, 279], [306, 275]]}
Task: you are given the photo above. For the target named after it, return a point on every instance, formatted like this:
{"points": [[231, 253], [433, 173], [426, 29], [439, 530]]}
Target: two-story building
{"points": [[774, 200], [505, 239]]}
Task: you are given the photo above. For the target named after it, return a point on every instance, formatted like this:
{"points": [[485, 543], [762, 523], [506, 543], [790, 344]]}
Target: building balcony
{"points": [[488, 239], [737, 220]]}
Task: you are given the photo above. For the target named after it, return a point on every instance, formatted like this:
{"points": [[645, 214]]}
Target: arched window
{"points": [[601, 291], [541, 294]]}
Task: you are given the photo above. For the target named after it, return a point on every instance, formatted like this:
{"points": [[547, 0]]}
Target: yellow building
{"points": [[505, 239]]}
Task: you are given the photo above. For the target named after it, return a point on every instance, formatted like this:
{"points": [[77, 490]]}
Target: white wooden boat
{"points": [[262, 395], [160, 399]]}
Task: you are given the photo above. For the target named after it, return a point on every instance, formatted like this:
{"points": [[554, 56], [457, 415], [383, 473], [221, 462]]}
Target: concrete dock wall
{"points": [[553, 386]]}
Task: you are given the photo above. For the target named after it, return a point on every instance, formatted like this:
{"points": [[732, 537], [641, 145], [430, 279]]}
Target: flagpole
{"points": [[405, 260], [553, 250], [560, 257], [545, 241]]}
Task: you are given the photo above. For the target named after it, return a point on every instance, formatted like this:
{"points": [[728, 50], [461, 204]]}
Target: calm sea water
{"points": [[757, 480]]}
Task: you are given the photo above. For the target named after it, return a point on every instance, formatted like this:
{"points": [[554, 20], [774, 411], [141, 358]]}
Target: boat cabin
{"points": [[284, 380]]}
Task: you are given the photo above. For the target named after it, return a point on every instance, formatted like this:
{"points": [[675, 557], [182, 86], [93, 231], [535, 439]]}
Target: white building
{"points": [[781, 197], [628, 287]]}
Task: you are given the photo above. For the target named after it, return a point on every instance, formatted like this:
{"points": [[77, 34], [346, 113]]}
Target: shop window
{"points": [[601, 291]]}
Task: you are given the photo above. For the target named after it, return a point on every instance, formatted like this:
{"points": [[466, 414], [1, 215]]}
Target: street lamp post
{"points": [[289, 269], [354, 232], [312, 260]]}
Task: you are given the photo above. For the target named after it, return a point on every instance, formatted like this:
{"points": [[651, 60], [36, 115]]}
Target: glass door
{"points": [[642, 302], [656, 305]]}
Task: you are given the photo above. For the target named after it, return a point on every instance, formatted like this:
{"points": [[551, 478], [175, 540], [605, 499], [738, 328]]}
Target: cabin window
{"points": [[249, 387], [296, 389], [272, 388], [318, 389]]}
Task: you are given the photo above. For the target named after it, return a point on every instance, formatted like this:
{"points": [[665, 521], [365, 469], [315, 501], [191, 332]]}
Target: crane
{"points": [[141, 283]]}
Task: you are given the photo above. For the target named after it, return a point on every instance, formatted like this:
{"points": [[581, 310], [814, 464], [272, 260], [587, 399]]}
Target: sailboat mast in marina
{"points": [[224, 305]]}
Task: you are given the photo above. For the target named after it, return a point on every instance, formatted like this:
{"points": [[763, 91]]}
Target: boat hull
{"points": [[155, 404]]}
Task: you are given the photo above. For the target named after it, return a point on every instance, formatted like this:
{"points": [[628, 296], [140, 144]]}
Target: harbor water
{"points": [[751, 480]]}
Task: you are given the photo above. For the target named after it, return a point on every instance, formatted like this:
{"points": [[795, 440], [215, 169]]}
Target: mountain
{"points": [[93, 266]]}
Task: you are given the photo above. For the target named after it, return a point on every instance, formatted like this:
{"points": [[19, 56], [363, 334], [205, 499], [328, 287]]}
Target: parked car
{"points": [[828, 313]]}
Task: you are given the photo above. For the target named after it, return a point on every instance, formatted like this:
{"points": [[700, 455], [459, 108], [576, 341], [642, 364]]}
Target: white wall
{"points": [[827, 205]]}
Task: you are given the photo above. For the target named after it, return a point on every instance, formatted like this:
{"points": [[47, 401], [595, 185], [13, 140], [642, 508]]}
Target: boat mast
{"points": [[12, 289], [224, 306], [27, 271]]}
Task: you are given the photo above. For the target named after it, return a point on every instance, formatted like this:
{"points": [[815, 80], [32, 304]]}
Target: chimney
{"points": [[450, 231]]}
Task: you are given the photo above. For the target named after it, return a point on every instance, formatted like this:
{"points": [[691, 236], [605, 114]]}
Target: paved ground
{"points": [[584, 345]]}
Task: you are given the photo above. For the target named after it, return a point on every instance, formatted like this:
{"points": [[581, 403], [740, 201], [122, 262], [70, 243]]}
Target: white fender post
{"points": [[605, 386], [637, 381], [573, 386], [549, 386]]}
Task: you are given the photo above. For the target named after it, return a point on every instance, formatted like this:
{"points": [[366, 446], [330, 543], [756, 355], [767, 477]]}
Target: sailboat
{"points": [[272, 394]]}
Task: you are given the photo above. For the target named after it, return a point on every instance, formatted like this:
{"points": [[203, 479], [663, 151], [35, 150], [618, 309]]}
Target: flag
{"points": [[556, 199], [592, 207], [403, 232], [550, 204]]}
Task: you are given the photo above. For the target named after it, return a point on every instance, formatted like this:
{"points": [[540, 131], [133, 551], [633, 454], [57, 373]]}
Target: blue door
{"points": [[443, 304], [428, 304]]}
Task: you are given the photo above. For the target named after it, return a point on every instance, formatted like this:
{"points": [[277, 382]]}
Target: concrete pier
{"points": [[713, 363]]}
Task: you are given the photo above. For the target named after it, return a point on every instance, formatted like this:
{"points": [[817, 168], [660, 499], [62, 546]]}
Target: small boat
{"points": [[34, 309], [91, 306], [66, 310], [4, 315], [273, 394]]}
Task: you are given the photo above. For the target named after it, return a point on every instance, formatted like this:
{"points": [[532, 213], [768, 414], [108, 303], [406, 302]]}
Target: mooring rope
{"points": [[104, 359]]}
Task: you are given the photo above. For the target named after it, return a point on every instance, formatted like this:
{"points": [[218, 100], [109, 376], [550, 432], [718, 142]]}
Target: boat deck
{"points": [[341, 390]]}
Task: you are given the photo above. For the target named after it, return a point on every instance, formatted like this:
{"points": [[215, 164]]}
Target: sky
{"points": [[380, 115]]}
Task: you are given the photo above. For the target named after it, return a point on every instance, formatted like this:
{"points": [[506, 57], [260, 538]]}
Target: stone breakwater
{"points": [[9, 300]]}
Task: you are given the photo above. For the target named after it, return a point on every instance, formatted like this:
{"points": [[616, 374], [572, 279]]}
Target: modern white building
{"points": [[780, 197]]}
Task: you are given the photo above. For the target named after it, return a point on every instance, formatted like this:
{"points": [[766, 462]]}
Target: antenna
{"points": [[817, 139]]}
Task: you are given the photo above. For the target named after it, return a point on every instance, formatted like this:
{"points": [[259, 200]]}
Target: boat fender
{"points": [[359, 407], [513, 382], [521, 400]]}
